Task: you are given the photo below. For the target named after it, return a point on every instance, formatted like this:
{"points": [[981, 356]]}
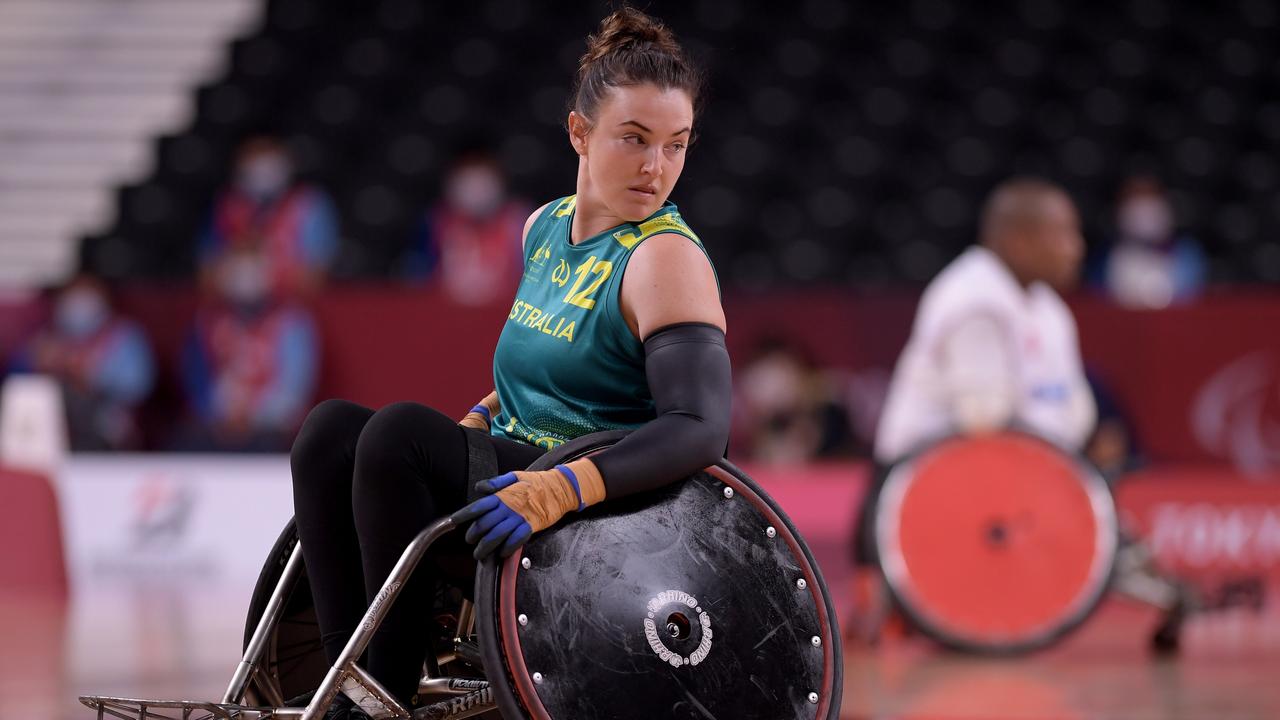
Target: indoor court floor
{"points": [[163, 646]]}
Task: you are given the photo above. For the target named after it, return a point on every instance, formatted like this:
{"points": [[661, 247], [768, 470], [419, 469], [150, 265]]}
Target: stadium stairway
{"points": [[85, 86]]}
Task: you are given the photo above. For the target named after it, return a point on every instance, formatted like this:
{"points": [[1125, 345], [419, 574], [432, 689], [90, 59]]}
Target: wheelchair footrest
{"points": [[133, 709]]}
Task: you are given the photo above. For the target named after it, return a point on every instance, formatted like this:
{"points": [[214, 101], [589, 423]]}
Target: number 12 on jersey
{"points": [[580, 296]]}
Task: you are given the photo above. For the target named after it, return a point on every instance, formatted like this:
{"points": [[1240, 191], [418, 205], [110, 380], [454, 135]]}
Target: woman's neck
{"points": [[590, 216]]}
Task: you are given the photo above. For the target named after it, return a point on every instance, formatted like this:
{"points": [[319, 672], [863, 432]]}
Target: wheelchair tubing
{"points": [[267, 670]]}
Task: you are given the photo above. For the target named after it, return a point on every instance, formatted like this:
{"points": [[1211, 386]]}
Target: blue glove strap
{"points": [[483, 411], [573, 480]]}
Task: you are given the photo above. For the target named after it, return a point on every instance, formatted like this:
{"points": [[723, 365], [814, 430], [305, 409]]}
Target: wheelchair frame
{"points": [[466, 697], [471, 697]]}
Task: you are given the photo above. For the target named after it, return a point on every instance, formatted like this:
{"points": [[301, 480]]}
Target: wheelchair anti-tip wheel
{"points": [[696, 600], [995, 544]]}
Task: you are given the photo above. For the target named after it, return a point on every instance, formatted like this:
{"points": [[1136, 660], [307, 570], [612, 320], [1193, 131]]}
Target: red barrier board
{"points": [[1206, 524], [1200, 382], [31, 557]]}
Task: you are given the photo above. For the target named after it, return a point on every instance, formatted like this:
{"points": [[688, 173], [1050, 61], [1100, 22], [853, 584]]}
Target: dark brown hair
{"points": [[631, 48]]}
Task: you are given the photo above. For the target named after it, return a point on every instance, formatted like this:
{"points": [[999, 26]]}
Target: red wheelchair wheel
{"points": [[997, 544]]}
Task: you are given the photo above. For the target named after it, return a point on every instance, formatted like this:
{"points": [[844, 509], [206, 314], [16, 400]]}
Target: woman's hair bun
{"points": [[631, 48], [629, 29]]}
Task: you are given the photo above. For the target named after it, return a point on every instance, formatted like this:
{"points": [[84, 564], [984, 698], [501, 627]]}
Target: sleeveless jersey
{"points": [[566, 363]]}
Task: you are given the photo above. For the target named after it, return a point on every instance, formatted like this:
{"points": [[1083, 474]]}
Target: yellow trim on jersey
{"points": [[566, 206], [662, 223]]}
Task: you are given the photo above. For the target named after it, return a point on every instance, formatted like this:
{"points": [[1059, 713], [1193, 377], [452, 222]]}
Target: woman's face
{"points": [[635, 146]]}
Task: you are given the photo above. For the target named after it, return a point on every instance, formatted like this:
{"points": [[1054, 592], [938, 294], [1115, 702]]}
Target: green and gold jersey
{"points": [[566, 363]]}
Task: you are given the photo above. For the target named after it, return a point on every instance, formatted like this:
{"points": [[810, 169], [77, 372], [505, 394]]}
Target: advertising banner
{"points": [[210, 520], [162, 555]]}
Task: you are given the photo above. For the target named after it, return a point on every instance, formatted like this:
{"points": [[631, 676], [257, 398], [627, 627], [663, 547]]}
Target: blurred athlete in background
{"points": [[992, 344]]}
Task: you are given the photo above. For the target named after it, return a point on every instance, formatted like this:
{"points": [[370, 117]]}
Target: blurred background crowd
{"points": [[845, 147]]}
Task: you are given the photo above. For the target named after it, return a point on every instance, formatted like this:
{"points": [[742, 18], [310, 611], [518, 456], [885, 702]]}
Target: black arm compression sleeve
{"points": [[687, 367]]}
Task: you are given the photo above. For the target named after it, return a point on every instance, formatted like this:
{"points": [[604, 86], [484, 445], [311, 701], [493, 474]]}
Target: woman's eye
{"points": [[677, 147], [633, 139]]}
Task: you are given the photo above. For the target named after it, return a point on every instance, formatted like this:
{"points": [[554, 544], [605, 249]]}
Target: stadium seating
{"points": [[845, 143]]}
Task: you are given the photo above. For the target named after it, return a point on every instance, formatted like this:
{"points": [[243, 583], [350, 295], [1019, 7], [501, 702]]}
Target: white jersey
{"points": [[984, 352]]}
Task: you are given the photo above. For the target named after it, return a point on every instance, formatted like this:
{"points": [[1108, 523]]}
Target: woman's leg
{"points": [[323, 462], [411, 468]]}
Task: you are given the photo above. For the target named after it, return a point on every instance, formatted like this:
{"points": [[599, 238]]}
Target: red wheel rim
{"points": [[1000, 539]]}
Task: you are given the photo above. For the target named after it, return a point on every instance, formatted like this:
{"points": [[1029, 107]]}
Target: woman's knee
{"points": [[402, 456], [403, 432], [329, 434]]}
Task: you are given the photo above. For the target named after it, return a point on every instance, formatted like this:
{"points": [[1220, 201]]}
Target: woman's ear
{"points": [[578, 129]]}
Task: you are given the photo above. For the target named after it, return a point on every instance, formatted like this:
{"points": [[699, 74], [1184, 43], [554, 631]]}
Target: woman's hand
{"points": [[521, 503], [481, 416], [478, 419]]}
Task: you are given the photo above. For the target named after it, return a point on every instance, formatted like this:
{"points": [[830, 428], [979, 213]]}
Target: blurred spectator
{"points": [[470, 239], [1150, 265], [102, 360], [787, 410], [294, 226], [250, 364]]}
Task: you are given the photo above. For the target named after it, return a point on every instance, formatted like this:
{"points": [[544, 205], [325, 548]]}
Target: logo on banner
{"points": [[154, 537], [1236, 415], [1219, 536], [162, 511]]}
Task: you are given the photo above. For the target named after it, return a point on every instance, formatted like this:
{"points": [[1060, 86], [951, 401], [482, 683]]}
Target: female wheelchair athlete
{"points": [[700, 599]]}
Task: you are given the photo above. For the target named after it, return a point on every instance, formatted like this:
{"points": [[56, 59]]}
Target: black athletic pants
{"points": [[365, 484]]}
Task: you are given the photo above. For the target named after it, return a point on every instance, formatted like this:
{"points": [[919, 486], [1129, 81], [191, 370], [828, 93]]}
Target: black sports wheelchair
{"points": [[696, 600]]}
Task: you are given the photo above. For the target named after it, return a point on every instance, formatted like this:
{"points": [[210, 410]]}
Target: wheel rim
{"points": [[997, 543], [499, 586]]}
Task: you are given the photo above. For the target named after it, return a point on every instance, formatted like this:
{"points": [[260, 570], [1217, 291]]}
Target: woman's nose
{"points": [[653, 162]]}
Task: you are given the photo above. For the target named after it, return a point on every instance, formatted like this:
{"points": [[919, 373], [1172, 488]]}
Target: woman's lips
{"points": [[646, 192]]}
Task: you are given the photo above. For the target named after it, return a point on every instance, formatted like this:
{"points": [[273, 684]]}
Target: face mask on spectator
{"points": [[475, 190], [80, 312], [1147, 218], [264, 176], [246, 281]]}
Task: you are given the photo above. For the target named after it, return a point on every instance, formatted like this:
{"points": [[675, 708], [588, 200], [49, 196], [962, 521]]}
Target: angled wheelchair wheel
{"points": [[997, 544], [695, 600], [293, 663]]}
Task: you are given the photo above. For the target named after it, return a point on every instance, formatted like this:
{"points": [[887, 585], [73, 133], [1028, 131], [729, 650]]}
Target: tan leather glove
{"points": [[524, 502]]}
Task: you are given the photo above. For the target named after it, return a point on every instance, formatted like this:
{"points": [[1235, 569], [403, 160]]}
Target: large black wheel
{"points": [[696, 600]]}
